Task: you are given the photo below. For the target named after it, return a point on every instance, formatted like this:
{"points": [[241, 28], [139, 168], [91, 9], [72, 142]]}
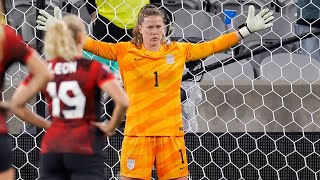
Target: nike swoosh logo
{"points": [[181, 168], [137, 59]]}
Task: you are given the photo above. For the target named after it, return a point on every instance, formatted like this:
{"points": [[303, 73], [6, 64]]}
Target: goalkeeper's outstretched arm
{"points": [[253, 23]]}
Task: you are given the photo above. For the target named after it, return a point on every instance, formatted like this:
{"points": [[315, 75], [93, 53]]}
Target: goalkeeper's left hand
{"points": [[254, 23], [45, 19]]}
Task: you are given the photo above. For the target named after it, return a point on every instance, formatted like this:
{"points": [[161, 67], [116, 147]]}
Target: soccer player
{"points": [[151, 70], [12, 50], [72, 146]]}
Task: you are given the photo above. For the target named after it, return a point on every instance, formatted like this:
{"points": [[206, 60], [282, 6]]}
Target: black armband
{"points": [[244, 25]]}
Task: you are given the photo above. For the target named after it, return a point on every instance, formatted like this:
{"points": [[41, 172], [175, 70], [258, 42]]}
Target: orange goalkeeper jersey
{"points": [[152, 81]]}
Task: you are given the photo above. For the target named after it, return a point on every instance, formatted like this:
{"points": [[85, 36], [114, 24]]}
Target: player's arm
{"points": [[40, 77], [102, 49], [253, 24], [116, 92], [111, 86], [205, 49]]}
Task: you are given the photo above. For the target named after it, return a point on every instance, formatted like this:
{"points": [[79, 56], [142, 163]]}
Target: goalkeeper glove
{"points": [[254, 23], [44, 20]]}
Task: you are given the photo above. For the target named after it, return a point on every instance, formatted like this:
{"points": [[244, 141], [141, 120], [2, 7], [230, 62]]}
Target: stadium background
{"points": [[258, 117]]}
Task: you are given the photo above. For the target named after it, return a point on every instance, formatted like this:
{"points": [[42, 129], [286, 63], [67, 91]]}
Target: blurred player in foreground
{"points": [[72, 146], [12, 49], [151, 68]]}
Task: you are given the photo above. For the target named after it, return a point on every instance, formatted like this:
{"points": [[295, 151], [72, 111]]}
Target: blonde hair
{"points": [[61, 39], [146, 11]]}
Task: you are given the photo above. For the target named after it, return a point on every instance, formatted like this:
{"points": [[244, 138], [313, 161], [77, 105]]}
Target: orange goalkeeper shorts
{"points": [[165, 153]]}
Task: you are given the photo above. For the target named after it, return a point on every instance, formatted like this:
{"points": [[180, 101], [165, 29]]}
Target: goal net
{"points": [[255, 118]]}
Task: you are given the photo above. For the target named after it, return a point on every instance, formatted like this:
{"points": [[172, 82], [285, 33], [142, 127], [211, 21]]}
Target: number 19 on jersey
{"points": [[77, 100]]}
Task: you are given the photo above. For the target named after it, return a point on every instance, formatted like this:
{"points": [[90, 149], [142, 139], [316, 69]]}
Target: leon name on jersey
{"points": [[63, 67]]}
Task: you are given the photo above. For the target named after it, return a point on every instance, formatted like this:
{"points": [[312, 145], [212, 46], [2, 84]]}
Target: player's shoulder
{"points": [[174, 45], [10, 35], [170, 43], [9, 29], [84, 60], [78, 59], [80, 62], [93, 65], [178, 43]]}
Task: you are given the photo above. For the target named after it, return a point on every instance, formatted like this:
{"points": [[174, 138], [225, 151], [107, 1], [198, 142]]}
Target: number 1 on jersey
{"points": [[156, 79], [181, 154]]}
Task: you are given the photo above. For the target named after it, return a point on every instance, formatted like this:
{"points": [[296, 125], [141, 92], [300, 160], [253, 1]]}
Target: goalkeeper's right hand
{"points": [[45, 19]]}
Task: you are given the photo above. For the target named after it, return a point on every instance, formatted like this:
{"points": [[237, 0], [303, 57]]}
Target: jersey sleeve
{"points": [[205, 49], [16, 49], [103, 73], [103, 49]]}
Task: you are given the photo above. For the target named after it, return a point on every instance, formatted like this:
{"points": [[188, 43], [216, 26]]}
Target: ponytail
{"points": [[60, 42]]}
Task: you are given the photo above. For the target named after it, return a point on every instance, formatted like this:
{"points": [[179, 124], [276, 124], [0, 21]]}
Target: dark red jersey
{"points": [[13, 50], [74, 101]]}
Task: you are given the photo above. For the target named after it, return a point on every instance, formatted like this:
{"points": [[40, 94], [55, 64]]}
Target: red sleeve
{"points": [[15, 48], [103, 73]]}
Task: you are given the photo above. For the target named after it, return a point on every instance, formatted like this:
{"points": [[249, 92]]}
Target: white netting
{"points": [[257, 118]]}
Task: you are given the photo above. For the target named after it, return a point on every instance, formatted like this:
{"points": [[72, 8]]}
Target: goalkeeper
{"points": [[151, 70]]}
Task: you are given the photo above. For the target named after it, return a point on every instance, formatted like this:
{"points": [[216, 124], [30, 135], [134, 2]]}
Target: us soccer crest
{"points": [[130, 163], [170, 59]]}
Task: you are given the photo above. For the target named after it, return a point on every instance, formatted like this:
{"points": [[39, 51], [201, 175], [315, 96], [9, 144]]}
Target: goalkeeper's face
{"points": [[152, 30]]}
